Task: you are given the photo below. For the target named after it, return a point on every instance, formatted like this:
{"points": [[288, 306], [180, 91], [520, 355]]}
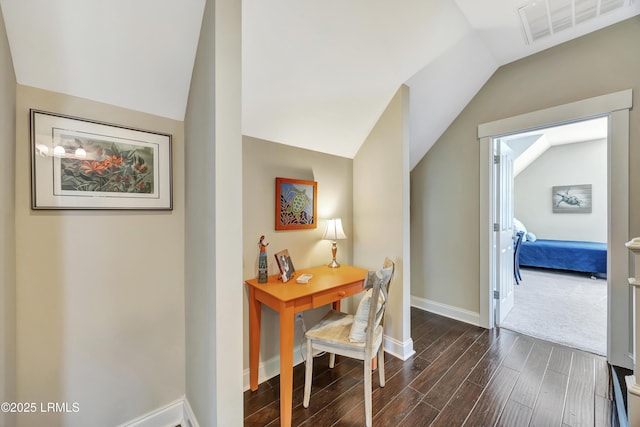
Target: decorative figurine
{"points": [[263, 269]]}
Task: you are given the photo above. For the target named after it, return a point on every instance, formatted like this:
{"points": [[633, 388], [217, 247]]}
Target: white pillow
{"points": [[518, 226], [359, 327]]}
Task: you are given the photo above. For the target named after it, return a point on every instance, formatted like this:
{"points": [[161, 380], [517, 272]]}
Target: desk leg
{"points": [[286, 364], [255, 312]]}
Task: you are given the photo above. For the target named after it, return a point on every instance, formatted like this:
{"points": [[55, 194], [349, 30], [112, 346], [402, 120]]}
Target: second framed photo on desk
{"points": [[285, 265]]}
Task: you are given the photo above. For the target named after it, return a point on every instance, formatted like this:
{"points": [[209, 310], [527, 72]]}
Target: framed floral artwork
{"points": [[296, 204], [84, 164]]}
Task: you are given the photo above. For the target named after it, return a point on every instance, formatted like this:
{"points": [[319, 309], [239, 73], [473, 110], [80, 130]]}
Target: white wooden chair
{"points": [[352, 336]]}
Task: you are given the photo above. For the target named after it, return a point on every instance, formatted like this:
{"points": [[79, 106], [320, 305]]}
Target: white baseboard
{"points": [[268, 369], [175, 413], [446, 310], [190, 419], [401, 350]]}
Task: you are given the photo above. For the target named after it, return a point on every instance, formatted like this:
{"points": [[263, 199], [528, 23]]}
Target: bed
{"points": [[588, 257]]}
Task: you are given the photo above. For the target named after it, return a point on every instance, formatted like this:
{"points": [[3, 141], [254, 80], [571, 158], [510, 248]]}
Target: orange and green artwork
{"points": [[107, 166], [296, 204]]}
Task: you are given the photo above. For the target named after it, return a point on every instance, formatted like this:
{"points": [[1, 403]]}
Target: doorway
{"points": [[554, 183], [616, 107]]}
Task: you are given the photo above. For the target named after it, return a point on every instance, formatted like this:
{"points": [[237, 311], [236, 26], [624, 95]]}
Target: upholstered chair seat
{"points": [[357, 336]]}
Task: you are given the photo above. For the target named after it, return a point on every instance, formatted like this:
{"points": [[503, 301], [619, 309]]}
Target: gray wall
{"points": [[7, 223], [213, 231], [100, 294], [570, 164], [444, 185], [263, 161]]}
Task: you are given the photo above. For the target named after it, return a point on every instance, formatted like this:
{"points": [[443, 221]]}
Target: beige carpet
{"points": [[563, 307]]}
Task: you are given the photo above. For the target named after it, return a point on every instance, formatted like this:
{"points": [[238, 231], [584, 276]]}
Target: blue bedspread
{"points": [[589, 257]]}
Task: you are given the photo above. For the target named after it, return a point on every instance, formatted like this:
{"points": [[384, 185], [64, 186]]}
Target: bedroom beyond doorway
{"points": [[616, 107], [560, 193], [565, 307]]}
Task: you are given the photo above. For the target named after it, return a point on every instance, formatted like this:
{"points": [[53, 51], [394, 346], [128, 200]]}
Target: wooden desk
{"points": [[328, 286]]}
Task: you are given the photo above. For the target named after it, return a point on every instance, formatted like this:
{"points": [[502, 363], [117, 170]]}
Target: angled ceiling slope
{"points": [[316, 74], [527, 147], [133, 54]]}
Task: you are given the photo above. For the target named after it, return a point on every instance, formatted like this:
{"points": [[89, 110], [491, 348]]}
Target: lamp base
{"points": [[334, 252]]}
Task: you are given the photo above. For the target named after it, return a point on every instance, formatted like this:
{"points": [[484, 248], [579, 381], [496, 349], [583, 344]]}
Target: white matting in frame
{"points": [[84, 164]]}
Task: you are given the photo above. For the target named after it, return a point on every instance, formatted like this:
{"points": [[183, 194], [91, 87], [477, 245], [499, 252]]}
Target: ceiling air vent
{"points": [[541, 18]]}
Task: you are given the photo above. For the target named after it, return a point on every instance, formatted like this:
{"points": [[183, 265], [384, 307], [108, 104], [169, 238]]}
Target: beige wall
{"points": [[100, 294], [263, 161], [381, 212], [570, 164], [444, 185], [213, 232], [200, 232], [7, 223]]}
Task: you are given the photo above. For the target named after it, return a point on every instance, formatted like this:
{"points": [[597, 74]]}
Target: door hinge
{"points": [[496, 226], [496, 294], [496, 159]]}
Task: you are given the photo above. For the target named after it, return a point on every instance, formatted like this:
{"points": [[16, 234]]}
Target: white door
{"points": [[503, 235]]}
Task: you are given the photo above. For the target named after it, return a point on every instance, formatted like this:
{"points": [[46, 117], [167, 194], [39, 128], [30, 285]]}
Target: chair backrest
{"points": [[385, 265], [516, 250], [379, 282]]}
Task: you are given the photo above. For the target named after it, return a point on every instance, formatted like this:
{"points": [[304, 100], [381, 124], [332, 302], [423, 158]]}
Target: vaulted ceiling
{"points": [[316, 74]]}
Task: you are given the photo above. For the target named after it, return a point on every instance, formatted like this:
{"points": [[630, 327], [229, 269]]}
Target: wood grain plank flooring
{"points": [[440, 394], [550, 405], [460, 375], [514, 414], [493, 399], [580, 403], [528, 385], [459, 407]]}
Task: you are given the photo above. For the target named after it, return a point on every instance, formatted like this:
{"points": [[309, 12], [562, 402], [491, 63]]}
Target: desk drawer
{"points": [[333, 295]]}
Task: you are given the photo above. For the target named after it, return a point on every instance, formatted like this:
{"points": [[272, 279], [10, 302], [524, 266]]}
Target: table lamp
{"points": [[334, 232]]}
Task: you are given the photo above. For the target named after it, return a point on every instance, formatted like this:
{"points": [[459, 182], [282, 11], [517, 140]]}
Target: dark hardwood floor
{"points": [[460, 375]]}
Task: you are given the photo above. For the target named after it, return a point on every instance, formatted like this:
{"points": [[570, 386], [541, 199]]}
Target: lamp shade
{"points": [[334, 230]]}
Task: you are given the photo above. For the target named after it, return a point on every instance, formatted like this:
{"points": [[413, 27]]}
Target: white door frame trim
{"points": [[616, 106]]}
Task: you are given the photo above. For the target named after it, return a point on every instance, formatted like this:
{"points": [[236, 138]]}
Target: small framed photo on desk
{"points": [[285, 265]]}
